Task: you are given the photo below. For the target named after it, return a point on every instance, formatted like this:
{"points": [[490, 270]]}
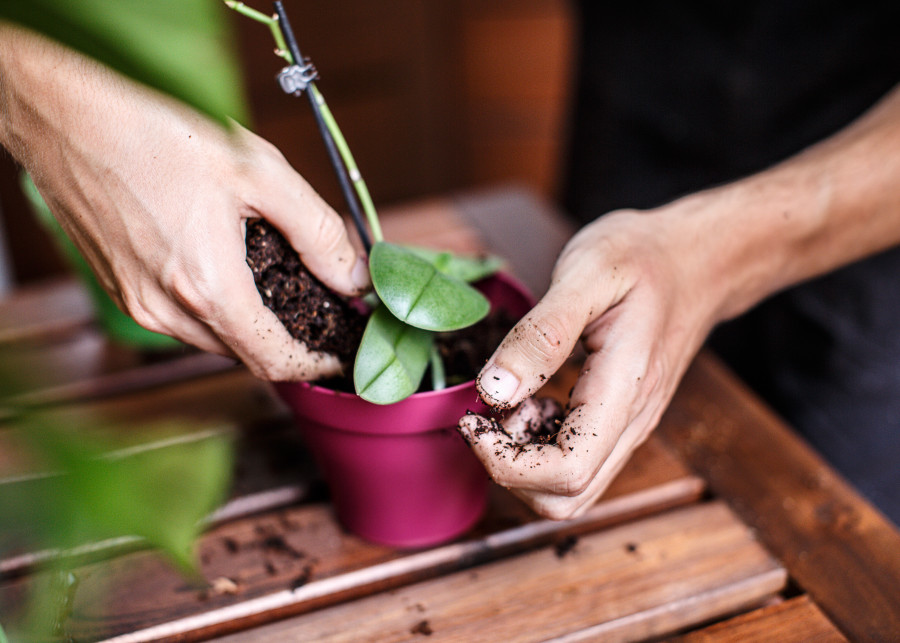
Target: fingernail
{"points": [[498, 385], [360, 274], [465, 430]]}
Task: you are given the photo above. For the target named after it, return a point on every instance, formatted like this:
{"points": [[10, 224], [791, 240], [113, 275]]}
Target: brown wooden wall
{"points": [[433, 96]]}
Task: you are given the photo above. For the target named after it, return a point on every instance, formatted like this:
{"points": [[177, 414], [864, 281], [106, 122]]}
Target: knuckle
{"points": [[274, 372], [142, 315], [265, 367], [329, 234], [577, 480], [265, 150], [192, 292], [543, 338], [557, 508]]}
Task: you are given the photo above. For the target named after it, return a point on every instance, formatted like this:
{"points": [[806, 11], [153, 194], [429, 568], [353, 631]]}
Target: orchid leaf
{"points": [[461, 267], [419, 294], [180, 47], [392, 358]]}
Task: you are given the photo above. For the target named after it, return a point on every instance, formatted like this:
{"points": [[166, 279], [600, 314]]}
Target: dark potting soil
{"points": [[540, 431], [464, 352], [311, 312], [330, 323]]}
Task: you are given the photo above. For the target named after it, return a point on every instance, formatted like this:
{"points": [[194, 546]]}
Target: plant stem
{"points": [[438, 376], [344, 164], [361, 189], [270, 21], [348, 170]]}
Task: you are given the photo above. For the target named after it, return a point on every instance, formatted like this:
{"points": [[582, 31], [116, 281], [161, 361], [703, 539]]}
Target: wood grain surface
{"points": [[633, 582], [796, 620], [724, 525], [836, 546]]}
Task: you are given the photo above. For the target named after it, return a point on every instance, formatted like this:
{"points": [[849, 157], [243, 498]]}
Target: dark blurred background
{"points": [[433, 96]]}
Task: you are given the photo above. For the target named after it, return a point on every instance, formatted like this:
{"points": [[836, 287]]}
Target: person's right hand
{"points": [[635, 289], [156, 198], [641, 290]]}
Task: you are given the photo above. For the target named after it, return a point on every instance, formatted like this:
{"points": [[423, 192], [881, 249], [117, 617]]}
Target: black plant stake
{"points": [[306, 74]]}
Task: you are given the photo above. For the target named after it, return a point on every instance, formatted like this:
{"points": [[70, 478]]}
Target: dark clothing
{"points": [[678, 96]]}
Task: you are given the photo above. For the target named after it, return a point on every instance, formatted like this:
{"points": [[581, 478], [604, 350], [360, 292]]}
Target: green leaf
{"points": [[464, 268], [181, 47], [419, 294], [159, 491], [391, 360]]}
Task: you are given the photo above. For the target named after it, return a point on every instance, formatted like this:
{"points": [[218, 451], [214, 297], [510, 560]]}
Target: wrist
{"points": [[749, 239]]}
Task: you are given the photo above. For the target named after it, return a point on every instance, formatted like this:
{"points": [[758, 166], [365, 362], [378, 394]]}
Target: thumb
{"points": [[535, 348], [310, 225]]}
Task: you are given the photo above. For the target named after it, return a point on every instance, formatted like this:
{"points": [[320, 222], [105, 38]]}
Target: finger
{"points": [[157, 312], [560, 507], [534, 420], [535, 348], [609, 394], [311, 226], [222, 295]]}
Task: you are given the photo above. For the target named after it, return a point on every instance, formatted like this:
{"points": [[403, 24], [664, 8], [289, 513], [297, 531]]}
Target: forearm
{"points": [[43, 86], [61, 111], [830, 205]]}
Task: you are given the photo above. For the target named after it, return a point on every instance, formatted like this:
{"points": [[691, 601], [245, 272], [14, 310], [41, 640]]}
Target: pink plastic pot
{"points": [[400, 474]]}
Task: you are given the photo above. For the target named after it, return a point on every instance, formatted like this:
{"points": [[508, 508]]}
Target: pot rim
{"points": [[344, 394]]}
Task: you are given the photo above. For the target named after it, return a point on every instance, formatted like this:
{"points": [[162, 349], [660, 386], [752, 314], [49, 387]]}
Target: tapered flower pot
{"points": [[400, 474]]}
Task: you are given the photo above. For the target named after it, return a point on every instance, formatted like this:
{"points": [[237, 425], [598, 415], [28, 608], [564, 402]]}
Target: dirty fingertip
{"points": [[498, 386]]}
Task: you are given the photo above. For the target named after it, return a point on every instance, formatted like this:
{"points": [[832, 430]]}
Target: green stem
{"points": [[251, 13], [359, 185], [270, 21], [438, 376]]}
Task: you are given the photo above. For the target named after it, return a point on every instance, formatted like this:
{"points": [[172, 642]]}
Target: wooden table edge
{"points": [[835, 545]]}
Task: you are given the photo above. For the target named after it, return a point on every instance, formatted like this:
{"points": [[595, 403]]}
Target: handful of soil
{"points": [[328, 322], [311, 312]]}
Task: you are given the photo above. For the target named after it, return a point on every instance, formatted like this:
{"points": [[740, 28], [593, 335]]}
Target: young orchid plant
{"points": [[419, 292]]}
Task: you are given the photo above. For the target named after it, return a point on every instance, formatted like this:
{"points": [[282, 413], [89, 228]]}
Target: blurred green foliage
{"points": [[93, 486], [180, 47]]}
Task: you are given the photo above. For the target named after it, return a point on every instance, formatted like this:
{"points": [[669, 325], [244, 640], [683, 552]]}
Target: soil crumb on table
{"points": [[564, 546], [422, 627]]}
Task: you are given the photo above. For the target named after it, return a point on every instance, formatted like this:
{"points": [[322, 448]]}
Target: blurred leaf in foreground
{"points": [[181, 47], [159, 490]]}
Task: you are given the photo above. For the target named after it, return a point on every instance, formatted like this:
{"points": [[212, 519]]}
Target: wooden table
{"points": [[723, 527]]}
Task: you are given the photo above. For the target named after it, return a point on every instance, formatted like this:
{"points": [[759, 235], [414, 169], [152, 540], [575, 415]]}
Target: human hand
{"points": [[635, 288], [156, 198]]}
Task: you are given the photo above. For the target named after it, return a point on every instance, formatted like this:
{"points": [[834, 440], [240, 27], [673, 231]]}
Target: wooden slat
{"points": [[797, 620], [837, 547], [75, 387], [635, 581], [52, 307], [233, 397], [265, 556]]}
